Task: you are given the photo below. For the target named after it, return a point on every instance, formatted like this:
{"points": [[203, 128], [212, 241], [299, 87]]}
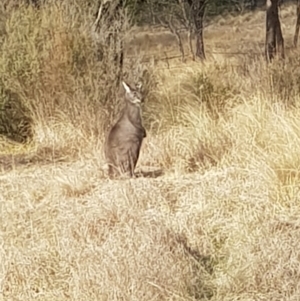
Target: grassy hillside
{"points": [[218, 217]]}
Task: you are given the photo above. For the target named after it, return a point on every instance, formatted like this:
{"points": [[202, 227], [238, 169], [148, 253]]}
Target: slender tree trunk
{"points": [[253, 4], [176, 33], [274, 38], [152, 14], [180, 44], [270, 32], [190, 37], [279, 38], [198, 10], [297, 24], [118, 42], [169, 23], [187, 24], [111, 23]]}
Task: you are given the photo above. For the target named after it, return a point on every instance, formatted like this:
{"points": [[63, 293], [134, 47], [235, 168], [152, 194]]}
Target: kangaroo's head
{"points": [[133, 96]]}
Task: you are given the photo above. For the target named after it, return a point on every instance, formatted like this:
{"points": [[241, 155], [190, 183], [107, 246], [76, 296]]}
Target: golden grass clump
{"points": [[216, 214]]}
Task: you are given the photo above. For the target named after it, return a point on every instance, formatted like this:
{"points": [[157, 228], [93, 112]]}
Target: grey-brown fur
{"points": [[123, 144]]}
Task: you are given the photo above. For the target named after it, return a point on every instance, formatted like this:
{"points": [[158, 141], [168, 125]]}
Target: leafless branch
{"points": [[96, 23]]}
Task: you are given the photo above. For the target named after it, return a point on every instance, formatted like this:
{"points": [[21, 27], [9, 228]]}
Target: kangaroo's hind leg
{"points": [[133, 156]]}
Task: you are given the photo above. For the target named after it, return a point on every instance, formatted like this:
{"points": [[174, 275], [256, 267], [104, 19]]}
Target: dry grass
{"points": [[221, 223]]}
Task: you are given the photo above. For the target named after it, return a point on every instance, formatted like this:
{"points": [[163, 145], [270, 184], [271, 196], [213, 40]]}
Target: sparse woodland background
{"points": [[222, 220]]}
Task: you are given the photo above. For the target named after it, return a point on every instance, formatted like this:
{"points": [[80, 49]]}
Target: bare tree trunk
{"points": [[176, 33], [279, 38], [270, 32], [119, 42], [180, 45], [109, 31], [150, 5], [168, 23], [198, 9], [189, 27], [297, 24], [274, 38], [190, 37], [253, 4], [112, 11]]}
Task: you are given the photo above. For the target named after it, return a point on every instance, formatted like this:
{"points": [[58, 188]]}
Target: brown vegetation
{"points": [[222, 223], [274, 38]]}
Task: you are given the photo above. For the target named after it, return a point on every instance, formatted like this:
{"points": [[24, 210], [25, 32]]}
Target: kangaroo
{"points": [[123, 143]]}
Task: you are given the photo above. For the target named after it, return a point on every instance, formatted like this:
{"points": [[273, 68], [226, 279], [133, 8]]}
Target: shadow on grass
{"points": [[202, 265], [42, 156], [149, 173]]}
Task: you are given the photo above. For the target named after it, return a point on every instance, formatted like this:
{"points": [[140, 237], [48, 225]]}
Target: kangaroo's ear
{"points": [[139, 86], [126, 87]]}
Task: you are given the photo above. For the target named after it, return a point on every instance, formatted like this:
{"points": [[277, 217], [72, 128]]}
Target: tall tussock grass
{"points": [[222, 220], [43, 55], [50, 59]]}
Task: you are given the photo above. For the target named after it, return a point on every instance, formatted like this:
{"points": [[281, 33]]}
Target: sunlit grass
{"points": [[222, 220]]}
